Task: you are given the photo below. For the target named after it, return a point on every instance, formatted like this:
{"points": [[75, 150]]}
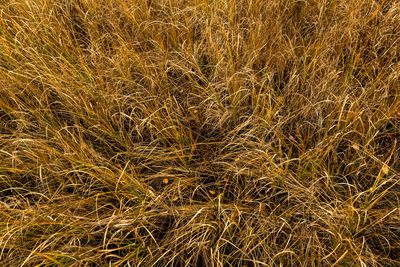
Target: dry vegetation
{"points": [[199, 133]]}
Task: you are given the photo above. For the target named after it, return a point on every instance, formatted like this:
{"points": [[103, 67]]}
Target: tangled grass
{"points": [[199, 133]]}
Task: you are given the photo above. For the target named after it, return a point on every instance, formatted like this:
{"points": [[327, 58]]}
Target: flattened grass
{"points": [[199, 133]]}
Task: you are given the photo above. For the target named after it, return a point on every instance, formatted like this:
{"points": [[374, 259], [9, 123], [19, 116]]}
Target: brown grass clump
{"points": [[199, 133]]}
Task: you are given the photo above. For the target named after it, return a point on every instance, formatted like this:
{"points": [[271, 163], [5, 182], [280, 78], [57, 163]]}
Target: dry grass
{"points": [[199, 133]]}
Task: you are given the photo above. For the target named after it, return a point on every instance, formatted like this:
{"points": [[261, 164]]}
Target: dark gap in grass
{"points": [[79, 31], [381, 243], [207, 67], [205, 152], [104, 144], [177, 78], [8, 125], [164, 226]]}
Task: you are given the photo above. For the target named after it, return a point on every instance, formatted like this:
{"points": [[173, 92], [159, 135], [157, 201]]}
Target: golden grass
{"points": [[199, 133]]}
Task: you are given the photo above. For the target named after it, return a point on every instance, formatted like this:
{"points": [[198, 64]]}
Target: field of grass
{"points": [[199, 133]]}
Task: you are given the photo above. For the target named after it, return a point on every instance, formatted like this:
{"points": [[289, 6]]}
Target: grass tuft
{"points": [[199, 133]]}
